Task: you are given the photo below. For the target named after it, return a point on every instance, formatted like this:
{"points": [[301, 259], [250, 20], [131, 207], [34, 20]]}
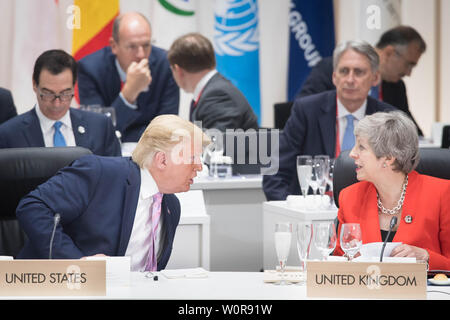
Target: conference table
{"points": [[216, 286]]}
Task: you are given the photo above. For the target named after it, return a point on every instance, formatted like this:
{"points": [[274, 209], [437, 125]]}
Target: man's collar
{"points": [[202, 83], [358, 114]]}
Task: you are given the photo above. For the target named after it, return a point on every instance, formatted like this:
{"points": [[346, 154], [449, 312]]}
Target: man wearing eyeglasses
{"points": [[399, 49], [52, 122], [130, 75]]}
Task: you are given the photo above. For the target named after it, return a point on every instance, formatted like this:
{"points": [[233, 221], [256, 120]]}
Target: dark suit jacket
{"points": [[426, 201], [320, 79], [7, 107], [99, 135], [310, 130], [99, 83], [223, 106], [96, 198]]}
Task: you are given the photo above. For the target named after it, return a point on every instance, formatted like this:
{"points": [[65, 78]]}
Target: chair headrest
{"points": [[23, 169]]}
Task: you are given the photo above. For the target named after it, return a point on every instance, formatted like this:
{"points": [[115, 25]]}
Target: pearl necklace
{"points": [[399, 203]]}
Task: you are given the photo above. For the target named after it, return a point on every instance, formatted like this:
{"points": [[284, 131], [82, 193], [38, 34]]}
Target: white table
{"points": [[281, 211], [235, 208], [217, 286]]}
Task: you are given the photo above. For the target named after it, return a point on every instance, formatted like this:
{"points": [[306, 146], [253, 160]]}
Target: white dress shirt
{"points": [[48, 130], [342, 120], [140, 240]]}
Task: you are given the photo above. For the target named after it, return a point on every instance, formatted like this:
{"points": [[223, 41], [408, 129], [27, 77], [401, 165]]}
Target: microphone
{"points": [[391, 226], [56, 219]]}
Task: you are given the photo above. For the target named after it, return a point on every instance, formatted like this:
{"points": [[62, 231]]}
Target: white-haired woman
{"points": [[386, 153]]}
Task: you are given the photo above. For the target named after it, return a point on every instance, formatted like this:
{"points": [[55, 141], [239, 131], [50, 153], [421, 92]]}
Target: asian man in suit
{"points": [[131, 75], [52, 122], [7, 107], [322, 124], [399, 49], [117, 206], [217, 103]]}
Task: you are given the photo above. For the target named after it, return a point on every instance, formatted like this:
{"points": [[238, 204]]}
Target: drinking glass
{"points": [[351, 240], [329, 179], [325, 238], [304, 172], [283, 235], [321, 165], [304, 237]]}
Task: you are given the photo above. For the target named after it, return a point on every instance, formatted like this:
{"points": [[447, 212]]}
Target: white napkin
{"points": [[185, 273], [291, 274], [118, 270]]}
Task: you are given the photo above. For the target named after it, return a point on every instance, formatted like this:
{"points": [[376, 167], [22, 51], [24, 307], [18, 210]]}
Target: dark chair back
{"points": [[282, 111], [433, 162], [21, 171], [445, 137], [252, 150]]}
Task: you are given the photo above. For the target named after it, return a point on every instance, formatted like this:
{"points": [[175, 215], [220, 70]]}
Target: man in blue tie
{"points": [[323, 123], [52, 122]]}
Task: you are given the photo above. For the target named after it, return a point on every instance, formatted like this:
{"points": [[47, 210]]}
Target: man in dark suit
{"points": [[323, 123], [131, 75], [217, 103], [117, 206], [399, 49], [7, 107], [52, 123]]}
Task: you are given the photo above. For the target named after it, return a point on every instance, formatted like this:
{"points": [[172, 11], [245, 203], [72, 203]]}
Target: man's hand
{"points": [[138, 79]]}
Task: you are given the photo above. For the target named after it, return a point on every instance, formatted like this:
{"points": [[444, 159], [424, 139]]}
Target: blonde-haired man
{"points": [[117, 206]]}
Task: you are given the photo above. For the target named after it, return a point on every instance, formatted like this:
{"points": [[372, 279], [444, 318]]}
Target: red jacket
{"points": [[427, 201]]}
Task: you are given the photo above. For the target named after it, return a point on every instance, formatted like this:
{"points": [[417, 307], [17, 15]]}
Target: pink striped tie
{"points": [[156, 213]]}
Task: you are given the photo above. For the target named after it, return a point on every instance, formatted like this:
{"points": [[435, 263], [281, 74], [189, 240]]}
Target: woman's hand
{"points": [[405, 250]]}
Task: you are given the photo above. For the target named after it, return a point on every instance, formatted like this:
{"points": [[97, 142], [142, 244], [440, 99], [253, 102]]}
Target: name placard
{"points": [[52, 278], [371, 280]]}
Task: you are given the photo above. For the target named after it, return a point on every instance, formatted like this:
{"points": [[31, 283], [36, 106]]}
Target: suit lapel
{"points": [[130, 205], [32, 129], [80, 129], [327, 120]]}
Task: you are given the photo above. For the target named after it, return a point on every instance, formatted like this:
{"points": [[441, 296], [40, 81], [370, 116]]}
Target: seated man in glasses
{"points": [[52, 122]]}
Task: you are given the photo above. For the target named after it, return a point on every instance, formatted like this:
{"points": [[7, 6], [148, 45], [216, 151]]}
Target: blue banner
{"points": [[311, 37], [236, 42]]}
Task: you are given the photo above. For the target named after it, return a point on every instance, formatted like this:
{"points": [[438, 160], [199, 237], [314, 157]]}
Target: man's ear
{"points": [[160, 160], [113, 45]]}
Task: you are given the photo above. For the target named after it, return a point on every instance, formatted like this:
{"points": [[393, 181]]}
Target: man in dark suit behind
{"points": [[323, 123], [117, 206], [7, 107], [399, 49], [52, 122], [130, 75], [217, 103]]}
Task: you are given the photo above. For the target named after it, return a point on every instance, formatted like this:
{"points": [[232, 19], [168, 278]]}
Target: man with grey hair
{"points": [[322, 124], [399, 48], [130, 75]]}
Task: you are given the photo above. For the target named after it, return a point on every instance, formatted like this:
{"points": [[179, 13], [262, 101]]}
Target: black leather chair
{"points": [[446, 137], [282, 111], [433, 162], [21, 171], [251, 150]]}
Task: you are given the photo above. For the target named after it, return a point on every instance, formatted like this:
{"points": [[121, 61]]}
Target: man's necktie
{"points": [[349, 137], [191, 110], [151, 264], [58, 138]]}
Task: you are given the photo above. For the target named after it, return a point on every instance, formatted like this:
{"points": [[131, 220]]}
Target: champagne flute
{"points": [[283, 235], [351, 240], [321, 169], [330, 181], [304, 237], [325, 238], [304, 171]]}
